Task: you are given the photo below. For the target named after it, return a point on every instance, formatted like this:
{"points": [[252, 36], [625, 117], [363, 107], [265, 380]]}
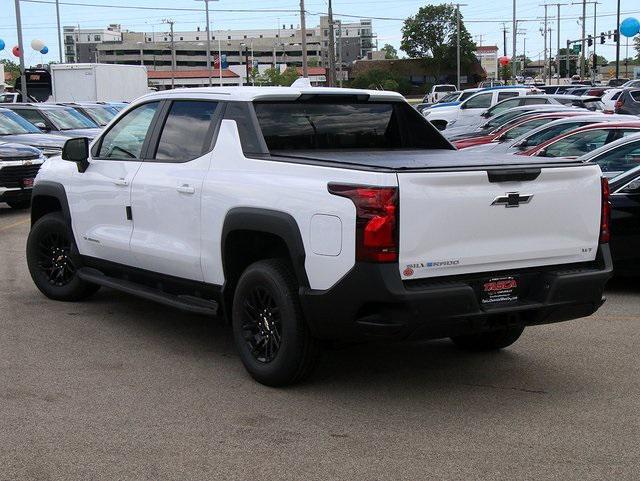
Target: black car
{"points": [[19, 165], [625, 222], [628, 102], [56, 119], [16, 129]]}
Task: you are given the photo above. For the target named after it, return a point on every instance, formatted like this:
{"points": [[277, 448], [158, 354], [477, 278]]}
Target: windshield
{"points": [[12, 124], [449, 98], [100, 115], [550, 132], [620, 159], [338, 125], [466, 95], [523, 128], [501, 119], [68, 118]]}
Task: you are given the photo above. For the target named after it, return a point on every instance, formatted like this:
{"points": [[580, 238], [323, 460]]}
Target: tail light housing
{"points": [[376, 220], [605, 213], [618, 105]]}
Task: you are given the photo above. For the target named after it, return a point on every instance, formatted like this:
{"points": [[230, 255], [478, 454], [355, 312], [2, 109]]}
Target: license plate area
{"points": [[500, 290]]}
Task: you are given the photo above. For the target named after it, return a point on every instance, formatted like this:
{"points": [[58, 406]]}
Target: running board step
{"points": [[196, 305]]}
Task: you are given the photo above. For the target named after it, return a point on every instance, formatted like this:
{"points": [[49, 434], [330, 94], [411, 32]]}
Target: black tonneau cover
{"points": [[431, 159]]}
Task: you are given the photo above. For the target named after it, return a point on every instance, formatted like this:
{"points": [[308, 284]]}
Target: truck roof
{"points": [[249, 94]]}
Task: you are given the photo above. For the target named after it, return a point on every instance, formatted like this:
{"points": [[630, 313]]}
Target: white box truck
{"points": [[97, 82]]}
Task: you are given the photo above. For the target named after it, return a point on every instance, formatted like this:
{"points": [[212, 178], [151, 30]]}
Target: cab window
{"points": [[124, 141], [187, 131], [506, 95], [480, 101]]}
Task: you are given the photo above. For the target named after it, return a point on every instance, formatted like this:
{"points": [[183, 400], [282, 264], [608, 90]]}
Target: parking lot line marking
{"points": [[15, 224]]}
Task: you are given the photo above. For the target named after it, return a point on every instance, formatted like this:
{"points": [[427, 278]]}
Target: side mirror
{"points": [[77, 150], [485, 114], [41, 125]]}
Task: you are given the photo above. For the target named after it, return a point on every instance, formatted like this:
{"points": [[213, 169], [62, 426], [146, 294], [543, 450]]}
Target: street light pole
{"points": [[618, 42], [173, 52], [59, 33], [303, 31], [515, 30], [23, 77], [206, 8], [458, 46]]}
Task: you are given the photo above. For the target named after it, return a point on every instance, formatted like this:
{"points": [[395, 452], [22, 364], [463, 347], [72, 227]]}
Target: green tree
{"points": [[390, 52], [378, 79], [11, 67], [273, 76], [432, 33]]}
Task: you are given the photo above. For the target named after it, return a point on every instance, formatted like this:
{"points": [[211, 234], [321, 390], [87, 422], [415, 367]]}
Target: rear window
{"points": [[445, 88], [322, 125], [635, 95]]}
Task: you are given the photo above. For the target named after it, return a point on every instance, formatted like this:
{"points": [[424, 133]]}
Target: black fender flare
{"points": [[273, 222], [56, 190]]}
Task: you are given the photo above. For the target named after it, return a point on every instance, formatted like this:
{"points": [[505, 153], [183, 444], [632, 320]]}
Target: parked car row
{"points": [[32, 132]]}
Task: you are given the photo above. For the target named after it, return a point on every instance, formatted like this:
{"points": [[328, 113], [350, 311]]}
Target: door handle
{"points": [[121, 181], [186, 189]]}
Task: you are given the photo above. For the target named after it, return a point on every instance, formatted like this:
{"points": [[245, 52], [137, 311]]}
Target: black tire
{"points": [[53, 260], [19, 204], [489, 341], [269, 331]]}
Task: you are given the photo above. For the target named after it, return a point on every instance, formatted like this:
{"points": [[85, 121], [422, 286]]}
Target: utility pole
{"points": [[595, 59], [458, 45], [618, 42], [23, 77], [544, 70], [59, 32], [173, 51], [303, 31], [332, 49], [568, 64], [584, 24], [558, 39], [206, 7], [515, 29]]}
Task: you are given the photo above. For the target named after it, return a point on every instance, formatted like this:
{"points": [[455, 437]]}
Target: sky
{"points": [[484, 19]]}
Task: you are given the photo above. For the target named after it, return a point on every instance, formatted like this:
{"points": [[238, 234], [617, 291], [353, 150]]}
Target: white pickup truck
{"points": [[303, 215]]}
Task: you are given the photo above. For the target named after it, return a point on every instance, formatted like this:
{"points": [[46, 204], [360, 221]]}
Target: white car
{"points": [[303, 215], [438, 92], [469, 111]]}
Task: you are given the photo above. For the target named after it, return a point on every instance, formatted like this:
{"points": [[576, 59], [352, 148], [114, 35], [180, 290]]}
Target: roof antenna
{"points": [[302, 83]]}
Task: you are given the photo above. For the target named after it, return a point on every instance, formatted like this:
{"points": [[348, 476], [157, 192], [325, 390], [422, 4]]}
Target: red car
{"points": [[583, 140], [517, 127]]}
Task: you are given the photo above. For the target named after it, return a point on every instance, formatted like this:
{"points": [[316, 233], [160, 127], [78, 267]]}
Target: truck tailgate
{"points": [[459, 222]]}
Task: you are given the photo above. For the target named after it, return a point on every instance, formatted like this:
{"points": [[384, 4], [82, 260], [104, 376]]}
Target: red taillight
{"points": [[605, 213], [376, 220], [618, 105]]}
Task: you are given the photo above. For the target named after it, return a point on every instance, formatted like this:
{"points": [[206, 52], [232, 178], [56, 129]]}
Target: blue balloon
{"points": [[44, 50], [2, 44], [630, 27]]}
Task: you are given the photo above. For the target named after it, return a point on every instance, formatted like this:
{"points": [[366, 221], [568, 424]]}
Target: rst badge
{"points": [[512, 199]]}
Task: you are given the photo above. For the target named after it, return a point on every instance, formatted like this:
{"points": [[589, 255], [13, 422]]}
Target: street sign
{"points": [[576, 48]]}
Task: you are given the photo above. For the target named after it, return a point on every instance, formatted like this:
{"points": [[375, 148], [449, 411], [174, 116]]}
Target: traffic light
{"points": [[615, 36], [589, 41], [602, 39]]}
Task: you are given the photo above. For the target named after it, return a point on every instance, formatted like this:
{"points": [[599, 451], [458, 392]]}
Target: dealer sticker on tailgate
{"points": [[499, 289]]}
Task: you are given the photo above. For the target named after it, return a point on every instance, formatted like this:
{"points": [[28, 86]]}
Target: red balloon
{"points": [[504, 61], [16, 51]]}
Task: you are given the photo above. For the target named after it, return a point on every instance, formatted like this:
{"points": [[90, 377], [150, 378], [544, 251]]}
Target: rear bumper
{"points": [[373, 301]]}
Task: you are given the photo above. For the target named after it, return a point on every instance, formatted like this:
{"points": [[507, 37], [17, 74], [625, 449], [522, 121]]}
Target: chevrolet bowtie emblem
{"points": [[512, 199]]}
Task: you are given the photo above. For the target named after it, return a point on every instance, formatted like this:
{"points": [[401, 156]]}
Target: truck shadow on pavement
{"points": [[417, 367]]}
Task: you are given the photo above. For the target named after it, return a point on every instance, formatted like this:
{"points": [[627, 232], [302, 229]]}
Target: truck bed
{"points": [[433, 159]]}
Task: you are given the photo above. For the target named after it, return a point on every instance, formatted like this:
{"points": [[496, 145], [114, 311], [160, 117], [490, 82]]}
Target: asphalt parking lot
{"points": [[121, 388]]}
